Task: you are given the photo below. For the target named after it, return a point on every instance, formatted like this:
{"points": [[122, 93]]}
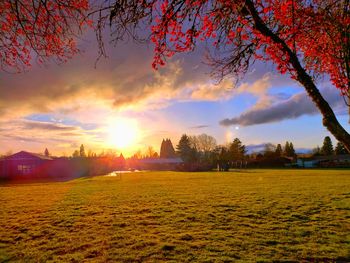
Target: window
{"points": [[25, 169]]}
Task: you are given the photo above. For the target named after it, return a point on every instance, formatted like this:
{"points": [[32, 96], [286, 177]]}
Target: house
{"points": [[268, 162], [159, 163], [22, 163], [342, 160]]}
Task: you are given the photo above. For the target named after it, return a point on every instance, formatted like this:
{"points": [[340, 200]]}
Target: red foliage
{"points": [[45, 28], [317, 31]]}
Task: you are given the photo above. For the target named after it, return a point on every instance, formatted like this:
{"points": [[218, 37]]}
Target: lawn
{"points": [[242, 216]]}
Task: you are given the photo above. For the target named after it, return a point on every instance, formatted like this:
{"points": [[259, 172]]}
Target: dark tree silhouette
{"points": [[236, 150], [222, 158], [269, 150], [278, 150], [82, 151], [292, 150], [184, 149], [167, 149], [316, 151], [202, 146], [327, 147], [286, 150], [289, 149], [205, 143], [340, 149], [75, 154], [47, 154]]}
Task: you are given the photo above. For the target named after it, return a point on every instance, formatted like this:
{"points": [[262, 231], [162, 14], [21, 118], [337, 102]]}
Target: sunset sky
{"points": [[63, 106]]}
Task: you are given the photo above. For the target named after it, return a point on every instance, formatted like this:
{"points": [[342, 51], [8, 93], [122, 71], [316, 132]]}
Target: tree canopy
{"points": [[203, 142], [82, 151], [184, 149], [289, 149], [278, 150], [327, 147], [340, 149], [46, 152], [45, 29], [167, 149], [236, 150]]}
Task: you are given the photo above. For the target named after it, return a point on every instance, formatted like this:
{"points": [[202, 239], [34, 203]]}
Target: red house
{"points": [[31, 166], [22, 163]]}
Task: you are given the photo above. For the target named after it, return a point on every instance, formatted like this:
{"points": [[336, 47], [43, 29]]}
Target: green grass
{"points": [[248, 216]]}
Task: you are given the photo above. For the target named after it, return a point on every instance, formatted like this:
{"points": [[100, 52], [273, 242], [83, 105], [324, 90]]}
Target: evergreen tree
{"points": [[223, 157], [167, 149], [170, 149], [340, 149], [184, 149], [82, 151], [236, 150], [286, 149], [47, 154], [278, 150], [162, 149], [291, 150], [327, 147]]}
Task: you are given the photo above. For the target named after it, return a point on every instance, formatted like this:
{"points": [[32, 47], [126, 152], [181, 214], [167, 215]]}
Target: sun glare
{"points": [[123, 133]]}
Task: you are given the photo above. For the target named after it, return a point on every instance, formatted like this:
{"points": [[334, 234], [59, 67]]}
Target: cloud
{"points": [[44, 134], [30, 125], [37, 126], [212, 92], [199, 127], [124, 81], [69, 134], [259, 88], [22, 138], [298, 105]]}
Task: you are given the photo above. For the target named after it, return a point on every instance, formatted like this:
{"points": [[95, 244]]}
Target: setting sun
{"points": [[123, 133]]}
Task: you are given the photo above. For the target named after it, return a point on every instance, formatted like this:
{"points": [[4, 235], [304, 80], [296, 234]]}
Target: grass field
{"points": [[247, 216]]}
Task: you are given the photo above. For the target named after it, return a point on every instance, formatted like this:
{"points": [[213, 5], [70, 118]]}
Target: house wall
{"points": [[20, 167], [60, 169]]}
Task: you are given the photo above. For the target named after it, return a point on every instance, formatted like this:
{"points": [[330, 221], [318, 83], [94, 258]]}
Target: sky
{"points": [[121, 103]]}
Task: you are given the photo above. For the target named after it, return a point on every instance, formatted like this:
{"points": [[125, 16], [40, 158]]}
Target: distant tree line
{"points": [[81, 153], [203, 151], [327, 148]]}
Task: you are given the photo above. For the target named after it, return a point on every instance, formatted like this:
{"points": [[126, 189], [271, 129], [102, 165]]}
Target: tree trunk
{"points": [[329, 119]]}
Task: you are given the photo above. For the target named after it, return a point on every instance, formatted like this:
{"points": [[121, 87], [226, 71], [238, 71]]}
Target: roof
{"points": [[23, 155], [162, 160], [341, 157]]}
